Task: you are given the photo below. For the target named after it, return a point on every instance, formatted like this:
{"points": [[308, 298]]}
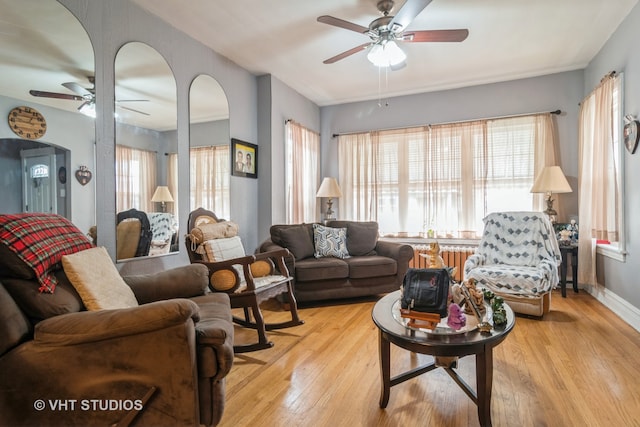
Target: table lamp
{"points": [[551, 180], [162, 195], [329, 189]]}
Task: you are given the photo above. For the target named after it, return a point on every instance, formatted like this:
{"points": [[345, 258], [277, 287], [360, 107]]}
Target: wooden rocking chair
{"points": [[248, 279]]}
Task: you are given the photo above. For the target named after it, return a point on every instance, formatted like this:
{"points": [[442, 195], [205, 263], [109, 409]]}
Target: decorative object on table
{"points": [[551, 180], [566, 233], [83, 175], [329, 188], [426, 290], [162, 195], [631, 134], [473, 300], [456, 318], [497, 307], [244, 159], [27, 122], [434, 260]]}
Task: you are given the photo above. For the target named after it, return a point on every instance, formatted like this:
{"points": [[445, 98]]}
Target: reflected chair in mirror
{"points": [[133, 234], [248, 279], [517, 258]]}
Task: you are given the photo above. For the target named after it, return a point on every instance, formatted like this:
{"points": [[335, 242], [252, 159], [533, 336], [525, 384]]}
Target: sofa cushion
{"points": [[311, 269], [12, 266], [222, 249], [14, 326], [298, 240], [211, 231], [363, 267], [362, 237], [330, 242], [97, 280], [40, 240], [38, 305]]}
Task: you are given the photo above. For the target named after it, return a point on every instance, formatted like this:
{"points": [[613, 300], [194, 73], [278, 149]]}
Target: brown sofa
{"points": [[372, 267], [162, 363]]}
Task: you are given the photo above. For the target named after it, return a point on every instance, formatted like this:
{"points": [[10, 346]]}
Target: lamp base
{"points": [[550, 211]]}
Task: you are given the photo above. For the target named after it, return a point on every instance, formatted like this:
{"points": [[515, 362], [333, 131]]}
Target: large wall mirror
{"points": [[146, 154], [47, 64], [209, 147]]}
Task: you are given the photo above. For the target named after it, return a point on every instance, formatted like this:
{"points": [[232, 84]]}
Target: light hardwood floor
{"points": [[579, 366]]}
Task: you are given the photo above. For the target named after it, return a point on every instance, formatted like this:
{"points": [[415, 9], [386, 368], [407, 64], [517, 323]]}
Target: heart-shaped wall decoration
{"points": [[83, 175]]}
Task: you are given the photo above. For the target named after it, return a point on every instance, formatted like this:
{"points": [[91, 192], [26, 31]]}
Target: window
{"points": [[302, 172], [135, 178], [443, 178], [209, 168], [600, 154]]}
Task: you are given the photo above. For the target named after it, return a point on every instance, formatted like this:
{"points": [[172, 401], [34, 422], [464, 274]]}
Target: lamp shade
{"points": [[162, 194], [551, 180], [329, 188], [386, 54]]}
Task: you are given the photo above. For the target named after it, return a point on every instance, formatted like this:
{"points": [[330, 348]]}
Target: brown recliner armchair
{"points": [[161, 363]]}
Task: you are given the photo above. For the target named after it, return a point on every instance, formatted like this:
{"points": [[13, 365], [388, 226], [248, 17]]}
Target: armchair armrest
{"points": [[473, 261], [91, 326], [181, 282]]}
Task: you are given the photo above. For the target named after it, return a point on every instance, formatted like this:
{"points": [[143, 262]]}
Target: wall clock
{"points": [[27, 122], [631, 135]]}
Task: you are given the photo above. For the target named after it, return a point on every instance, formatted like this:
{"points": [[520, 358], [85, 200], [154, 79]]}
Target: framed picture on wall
{"points": [[244, 159]]}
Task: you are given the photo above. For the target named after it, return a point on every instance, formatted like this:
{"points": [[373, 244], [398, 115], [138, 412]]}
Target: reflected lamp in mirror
{"points": [[162, 195], [551, 180], [329, 189]]}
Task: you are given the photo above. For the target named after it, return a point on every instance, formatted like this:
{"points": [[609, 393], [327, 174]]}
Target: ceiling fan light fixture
{"points": [[386, 54]]}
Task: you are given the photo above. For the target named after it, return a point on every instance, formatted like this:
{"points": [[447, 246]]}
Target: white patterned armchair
{"points": [[517, 258]]}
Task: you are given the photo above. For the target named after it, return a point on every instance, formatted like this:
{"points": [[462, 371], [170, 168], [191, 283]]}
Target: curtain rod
{"points": [[556, 112]]}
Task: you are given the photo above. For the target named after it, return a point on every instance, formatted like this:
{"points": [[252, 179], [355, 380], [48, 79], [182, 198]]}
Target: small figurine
{"points": [[434, 260], [456, 319]]}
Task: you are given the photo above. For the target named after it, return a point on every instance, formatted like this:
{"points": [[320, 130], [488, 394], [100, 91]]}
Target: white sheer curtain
{"points": [[302, 173], [446, 177], [209, 170], [135, 178], [598, 172]]}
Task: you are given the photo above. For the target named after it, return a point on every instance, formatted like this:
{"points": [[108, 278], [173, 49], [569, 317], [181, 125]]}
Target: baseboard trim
{"points": [[621, 307]]}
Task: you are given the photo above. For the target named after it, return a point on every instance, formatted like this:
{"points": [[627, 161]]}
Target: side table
{"points": [[566, 251]]}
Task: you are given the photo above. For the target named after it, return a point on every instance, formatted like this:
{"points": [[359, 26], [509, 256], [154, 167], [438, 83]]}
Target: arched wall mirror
{"points": [[209, 146], [146, 154], [46, 64]]}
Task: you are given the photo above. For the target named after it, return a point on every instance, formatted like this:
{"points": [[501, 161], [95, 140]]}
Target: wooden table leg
{"points": [[484, 382], [384, 347], [563, 273]]}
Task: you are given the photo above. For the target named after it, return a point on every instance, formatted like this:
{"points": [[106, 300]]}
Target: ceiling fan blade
{"points": [[408, 13], [346, 53], [435, 36], [135, 111], [56, 95], [75, 87], [337, 22]]}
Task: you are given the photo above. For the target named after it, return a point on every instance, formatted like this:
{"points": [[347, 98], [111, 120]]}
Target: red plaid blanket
{"points": [[40, 240]]}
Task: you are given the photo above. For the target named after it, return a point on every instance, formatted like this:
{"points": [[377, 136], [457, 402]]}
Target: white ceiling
{"points": [[508, 39]]}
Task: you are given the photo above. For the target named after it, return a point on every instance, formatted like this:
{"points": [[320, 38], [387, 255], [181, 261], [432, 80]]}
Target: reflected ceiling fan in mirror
{"points": [[387, 30], [86, 95]]}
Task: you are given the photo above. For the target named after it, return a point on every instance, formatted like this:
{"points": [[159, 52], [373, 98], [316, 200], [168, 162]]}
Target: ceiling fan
{"points": [[86, 95], [385, 31]]}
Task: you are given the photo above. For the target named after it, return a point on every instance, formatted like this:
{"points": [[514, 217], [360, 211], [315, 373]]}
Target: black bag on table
{"points": [[426, 290]]}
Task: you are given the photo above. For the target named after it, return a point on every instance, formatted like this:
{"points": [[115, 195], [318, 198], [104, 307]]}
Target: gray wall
{"points": [[557, 91], [620, 54], [278, 103], [112, 24]]}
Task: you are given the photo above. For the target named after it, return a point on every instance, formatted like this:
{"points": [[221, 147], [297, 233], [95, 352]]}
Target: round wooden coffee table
{"points": [[441, 345]]}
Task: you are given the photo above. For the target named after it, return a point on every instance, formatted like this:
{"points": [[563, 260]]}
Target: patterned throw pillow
{"points": [[330, 242], [40, 240]]}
